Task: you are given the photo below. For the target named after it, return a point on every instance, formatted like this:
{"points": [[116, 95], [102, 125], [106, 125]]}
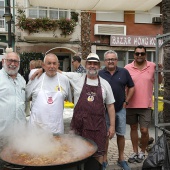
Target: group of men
{"points": [[101, 98]]}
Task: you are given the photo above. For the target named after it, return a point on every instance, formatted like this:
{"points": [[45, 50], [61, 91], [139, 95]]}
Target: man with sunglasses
{"points": [[119, 79], [76, 62], [139, 108], [12, 97]]}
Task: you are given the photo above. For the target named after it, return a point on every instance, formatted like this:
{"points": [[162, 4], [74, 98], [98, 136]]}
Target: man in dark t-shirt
{"points": [[119, 79]]}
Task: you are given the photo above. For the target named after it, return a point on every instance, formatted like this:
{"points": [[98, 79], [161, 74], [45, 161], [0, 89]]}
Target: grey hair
{"points": [[110, 52], [50, 54], [6, 54]]}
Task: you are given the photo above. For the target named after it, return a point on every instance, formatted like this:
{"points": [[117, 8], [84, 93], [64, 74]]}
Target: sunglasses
{"points": [[142, 54]]}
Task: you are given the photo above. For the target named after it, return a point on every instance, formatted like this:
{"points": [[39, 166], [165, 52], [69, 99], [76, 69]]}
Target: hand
{"points": [[37, 74], [111, 132], [124, 105], [160, 66]]}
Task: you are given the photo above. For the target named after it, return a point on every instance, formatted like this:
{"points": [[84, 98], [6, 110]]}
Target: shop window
{"points": [[121, 56]]}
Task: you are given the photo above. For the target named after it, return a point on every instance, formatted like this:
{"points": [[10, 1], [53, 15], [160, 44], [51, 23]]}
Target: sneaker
{"points": [[105, 164], [123, 165], [151, 139], [133, 158], [141, 157]]}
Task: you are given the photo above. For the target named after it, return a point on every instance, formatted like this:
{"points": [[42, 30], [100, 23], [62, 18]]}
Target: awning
{"points": [[105, 5]]}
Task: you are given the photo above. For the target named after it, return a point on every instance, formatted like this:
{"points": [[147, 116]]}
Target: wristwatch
{"points": [[126, 102]]}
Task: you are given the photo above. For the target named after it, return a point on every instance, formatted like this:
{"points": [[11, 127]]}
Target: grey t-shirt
{"points": [[50, 84], [77, 81]]}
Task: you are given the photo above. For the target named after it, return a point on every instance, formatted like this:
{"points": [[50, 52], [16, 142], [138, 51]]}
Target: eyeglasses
{"points": [[111, 59], [142, 54], [10, 61]]}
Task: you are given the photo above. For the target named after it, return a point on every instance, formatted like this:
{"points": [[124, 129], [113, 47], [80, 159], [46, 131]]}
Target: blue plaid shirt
{"points": [[80, 69]]}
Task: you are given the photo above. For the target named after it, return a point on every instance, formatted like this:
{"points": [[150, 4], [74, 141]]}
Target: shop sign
{"points": [[147, 41]]}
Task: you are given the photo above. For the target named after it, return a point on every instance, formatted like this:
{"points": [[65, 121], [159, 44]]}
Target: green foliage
{"points": [[44, 24], [66, 26], [74, 16], [26, 58]]}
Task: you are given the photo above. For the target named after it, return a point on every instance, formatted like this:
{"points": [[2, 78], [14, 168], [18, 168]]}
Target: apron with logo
{"points": [[47, 111], [89, 116]]}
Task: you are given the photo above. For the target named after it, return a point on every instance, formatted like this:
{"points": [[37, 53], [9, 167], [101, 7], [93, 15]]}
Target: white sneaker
{"points": [[141, 157], [132, 158]]}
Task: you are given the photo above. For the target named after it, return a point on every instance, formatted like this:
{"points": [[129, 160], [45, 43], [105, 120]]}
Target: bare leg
{"points": [[134, 137], [144, 138], [99, 159], [121, 146], [105, 155]]}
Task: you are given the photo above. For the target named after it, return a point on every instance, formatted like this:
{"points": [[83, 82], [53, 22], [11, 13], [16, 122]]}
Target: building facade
{"points": [[116, 30], [123, 30]]}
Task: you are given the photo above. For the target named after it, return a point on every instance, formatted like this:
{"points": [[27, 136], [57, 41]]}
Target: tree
{"points": [[166, 64]]}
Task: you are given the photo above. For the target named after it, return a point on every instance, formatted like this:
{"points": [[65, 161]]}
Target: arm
{"points": [[111, 112], [28, 91], [37, 74], [129, 94], [69, 97]]}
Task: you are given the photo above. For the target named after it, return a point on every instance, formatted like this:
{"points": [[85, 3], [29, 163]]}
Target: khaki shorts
{"points": [[141, 116]]}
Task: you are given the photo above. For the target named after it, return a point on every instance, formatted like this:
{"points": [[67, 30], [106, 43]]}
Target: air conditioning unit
{"points": [[106, 29], [156, 20]]}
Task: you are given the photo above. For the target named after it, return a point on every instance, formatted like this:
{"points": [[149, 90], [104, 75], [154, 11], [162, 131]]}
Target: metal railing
{"points": [[161, 40]]}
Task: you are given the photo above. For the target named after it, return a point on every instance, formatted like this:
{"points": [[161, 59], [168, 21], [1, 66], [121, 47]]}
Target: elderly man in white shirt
{"points": [[48, 94], [12, 96]]}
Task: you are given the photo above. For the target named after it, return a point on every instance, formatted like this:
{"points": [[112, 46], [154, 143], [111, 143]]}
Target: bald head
{"points": [[51, 64]]}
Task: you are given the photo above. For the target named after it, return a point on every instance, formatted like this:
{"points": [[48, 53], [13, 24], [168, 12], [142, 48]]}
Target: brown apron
{"points": [[89, 116]]}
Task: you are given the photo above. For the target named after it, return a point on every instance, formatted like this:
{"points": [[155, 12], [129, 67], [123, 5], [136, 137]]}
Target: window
{"points": [[1, 8], [2, 20], [53, 13], [1, 51], [146, 17], [44, 12], [38, 12], [117, 16], [121, 57]]}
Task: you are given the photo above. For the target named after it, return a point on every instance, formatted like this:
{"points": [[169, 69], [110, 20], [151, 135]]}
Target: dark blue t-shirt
{"points": [[118, 81]]}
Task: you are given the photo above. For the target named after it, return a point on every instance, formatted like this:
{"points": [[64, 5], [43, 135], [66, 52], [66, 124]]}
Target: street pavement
{"points": [[113, 151]]}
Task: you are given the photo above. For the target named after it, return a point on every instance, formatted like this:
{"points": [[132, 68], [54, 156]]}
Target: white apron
{"points": [[47, 111]]}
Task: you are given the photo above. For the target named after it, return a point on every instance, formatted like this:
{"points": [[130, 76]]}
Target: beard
{"points": [[92, 72], [8, 70]]}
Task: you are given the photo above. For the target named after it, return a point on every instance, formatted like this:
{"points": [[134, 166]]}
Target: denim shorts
{"points": [[120, 122]]}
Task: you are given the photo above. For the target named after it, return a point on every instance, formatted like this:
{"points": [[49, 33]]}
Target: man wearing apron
{"points": [[91, 94], [48, 94]]}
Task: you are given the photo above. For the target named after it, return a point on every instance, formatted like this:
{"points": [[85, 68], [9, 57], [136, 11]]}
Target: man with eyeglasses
{"points": [[139, 108], [12, 96], [119, 79]]}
